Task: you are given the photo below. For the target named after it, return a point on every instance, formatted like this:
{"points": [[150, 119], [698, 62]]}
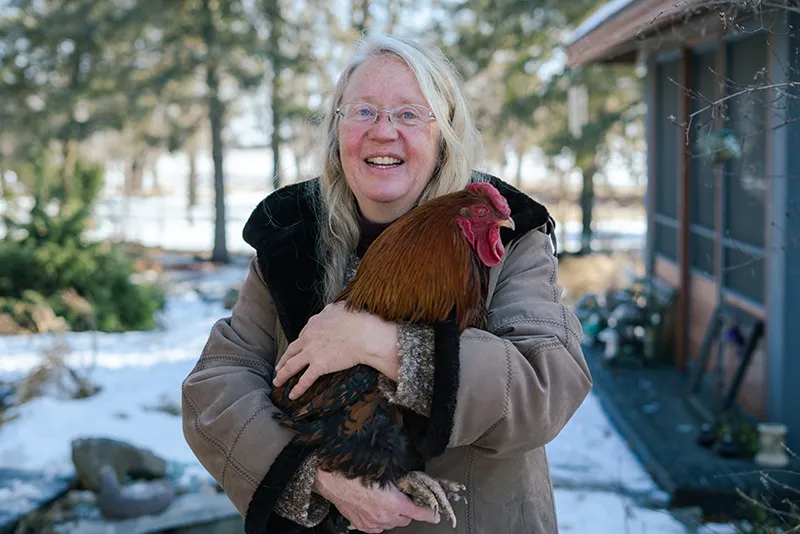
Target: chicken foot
{"points": [[436, 493]]}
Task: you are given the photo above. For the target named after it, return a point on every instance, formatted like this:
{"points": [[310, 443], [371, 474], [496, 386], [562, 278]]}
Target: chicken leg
{"points": [[436, 493]]}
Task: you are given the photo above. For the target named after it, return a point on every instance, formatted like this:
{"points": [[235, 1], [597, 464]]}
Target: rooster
{"points": [[355, 430]]}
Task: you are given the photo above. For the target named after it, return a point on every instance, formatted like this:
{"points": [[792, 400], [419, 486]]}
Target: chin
{"points": [[386, 190]]}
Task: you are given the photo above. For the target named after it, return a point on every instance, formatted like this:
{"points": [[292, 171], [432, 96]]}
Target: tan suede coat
{"points": [[506, 393]]}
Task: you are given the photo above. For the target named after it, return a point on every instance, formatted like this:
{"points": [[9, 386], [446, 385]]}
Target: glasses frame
{"points": [[430, 114]]}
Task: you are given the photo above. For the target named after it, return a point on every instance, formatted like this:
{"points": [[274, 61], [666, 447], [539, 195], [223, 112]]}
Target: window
{"points": [[737, 248], [701, 188], [666, 168], [744, 183]]}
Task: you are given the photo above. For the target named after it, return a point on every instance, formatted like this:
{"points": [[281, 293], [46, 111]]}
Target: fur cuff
{"points": [[414, 387], [259, 518], [431, 435], [297, 502]]}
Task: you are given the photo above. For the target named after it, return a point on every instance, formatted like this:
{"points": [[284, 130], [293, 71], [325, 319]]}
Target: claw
{"points": [[425, 490]]}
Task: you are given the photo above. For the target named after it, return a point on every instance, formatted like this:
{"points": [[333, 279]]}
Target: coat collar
{"points": [[284, 230]]}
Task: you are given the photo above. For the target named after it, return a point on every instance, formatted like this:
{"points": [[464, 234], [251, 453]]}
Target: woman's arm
{"points": [[510, 388], [227, 413], [506, 389]]}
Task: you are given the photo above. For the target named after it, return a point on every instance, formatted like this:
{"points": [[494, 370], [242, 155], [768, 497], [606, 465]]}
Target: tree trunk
{"points": [[275, 140], [155, 186], [133, 176], [394, 7], [216, 114], [276, 65], [68, 168], [587, 202], [364, 15], [360, 21], [3, 185], [191, 186], [518, 176], [563, 207]]}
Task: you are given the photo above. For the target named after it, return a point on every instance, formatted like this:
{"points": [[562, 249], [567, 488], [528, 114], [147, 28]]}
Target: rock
{"points": [[135, 500], [22, 492], [192, 513], [90, 455]]}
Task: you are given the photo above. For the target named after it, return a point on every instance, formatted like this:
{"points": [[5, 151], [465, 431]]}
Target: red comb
{"points": [[491, 191]]}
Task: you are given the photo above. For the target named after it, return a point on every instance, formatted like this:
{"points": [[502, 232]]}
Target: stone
{"points": [[191, 513], [22, 492], [117, 501], [90, 455]]}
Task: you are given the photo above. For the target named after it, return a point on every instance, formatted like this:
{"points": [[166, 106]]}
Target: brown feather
{"points": [[421, 268]]}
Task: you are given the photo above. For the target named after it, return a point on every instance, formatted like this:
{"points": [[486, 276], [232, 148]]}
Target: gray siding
{"points": [[783, 312]]}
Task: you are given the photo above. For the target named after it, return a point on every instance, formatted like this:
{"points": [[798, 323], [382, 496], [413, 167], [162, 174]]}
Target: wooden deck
{"points": [[648, 407]]}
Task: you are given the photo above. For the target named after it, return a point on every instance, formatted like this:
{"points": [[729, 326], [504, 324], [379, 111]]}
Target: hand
{"points": [[370, 509], [336, 339]]}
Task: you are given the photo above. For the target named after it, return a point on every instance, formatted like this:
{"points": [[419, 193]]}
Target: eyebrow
{"points": [[371, 100]]}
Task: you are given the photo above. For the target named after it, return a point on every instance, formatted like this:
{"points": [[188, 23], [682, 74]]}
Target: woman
{"points": [[514, 386]]}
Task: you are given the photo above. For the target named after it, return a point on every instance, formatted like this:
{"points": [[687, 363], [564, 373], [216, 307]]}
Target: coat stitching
{"points": [[236, 440], [541, 347], [231, 358], [552, 259], [470, 478], [507, 400], [520, 320], [244, 473]]}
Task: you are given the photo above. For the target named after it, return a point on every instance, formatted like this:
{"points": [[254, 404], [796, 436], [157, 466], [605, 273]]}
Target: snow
{"points": [[602, 15], [600, 486]]}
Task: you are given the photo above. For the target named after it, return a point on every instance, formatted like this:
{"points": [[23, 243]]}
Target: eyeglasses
{"points": [[408, 115]]}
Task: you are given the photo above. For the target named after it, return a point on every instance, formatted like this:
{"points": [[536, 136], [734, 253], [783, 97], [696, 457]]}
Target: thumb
{"points": [[419, 513]]}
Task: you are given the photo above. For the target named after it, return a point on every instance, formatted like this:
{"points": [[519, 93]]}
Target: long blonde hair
{"points": [[460, 146]]}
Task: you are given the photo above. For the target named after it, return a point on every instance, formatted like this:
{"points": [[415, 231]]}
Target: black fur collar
{"points": [[284, 227]]}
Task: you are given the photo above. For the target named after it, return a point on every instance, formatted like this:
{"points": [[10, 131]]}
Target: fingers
{"points": [[306, 381], [292, 350], [420, 513], [407, 508], [290, 368]]}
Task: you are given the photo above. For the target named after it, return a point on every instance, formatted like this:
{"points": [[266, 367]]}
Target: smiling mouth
{"points": [[383, 162]]}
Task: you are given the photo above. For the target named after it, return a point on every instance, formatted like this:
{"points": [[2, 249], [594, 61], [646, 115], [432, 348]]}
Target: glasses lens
{"points": [[409, 115], [359, 112]]}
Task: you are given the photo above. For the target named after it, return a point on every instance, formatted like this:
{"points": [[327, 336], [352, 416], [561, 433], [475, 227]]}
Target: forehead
{"points": [[384, 81]]}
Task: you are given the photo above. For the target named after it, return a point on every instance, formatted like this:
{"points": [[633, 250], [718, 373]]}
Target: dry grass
{"points": [[596, 273]]}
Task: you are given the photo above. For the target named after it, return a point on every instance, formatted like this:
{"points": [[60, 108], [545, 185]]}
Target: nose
{"points": [[383, 128]]}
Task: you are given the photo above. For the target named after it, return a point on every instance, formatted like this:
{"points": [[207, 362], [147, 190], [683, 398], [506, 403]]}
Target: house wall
{"points": [[726, 205], [702, 302], [784, 237]]}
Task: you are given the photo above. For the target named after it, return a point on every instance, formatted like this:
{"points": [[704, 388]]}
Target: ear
{"points": [[466, 227], [464, 212]]}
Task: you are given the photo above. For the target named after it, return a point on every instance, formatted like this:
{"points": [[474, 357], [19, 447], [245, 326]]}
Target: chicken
{"points": [[430, 266]]}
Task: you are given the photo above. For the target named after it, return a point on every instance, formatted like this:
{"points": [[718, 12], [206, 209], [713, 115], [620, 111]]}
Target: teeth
{"points": [[384, 160]]}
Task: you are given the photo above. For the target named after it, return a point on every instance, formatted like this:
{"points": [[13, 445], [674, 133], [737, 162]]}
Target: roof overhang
{"points": [[620, 29]]}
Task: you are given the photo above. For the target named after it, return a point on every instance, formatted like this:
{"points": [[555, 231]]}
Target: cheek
{"points": [[349, 146], [425, 148]]}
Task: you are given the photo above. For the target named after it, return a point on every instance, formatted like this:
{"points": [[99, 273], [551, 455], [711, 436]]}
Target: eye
{"points": [[362, 111], [481, 211]]}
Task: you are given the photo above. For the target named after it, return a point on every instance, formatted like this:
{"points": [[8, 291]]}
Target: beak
{"points": [[508, 223]]}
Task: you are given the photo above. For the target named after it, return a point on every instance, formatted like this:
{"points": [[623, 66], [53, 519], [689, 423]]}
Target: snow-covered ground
{"points": [[600, 486]]}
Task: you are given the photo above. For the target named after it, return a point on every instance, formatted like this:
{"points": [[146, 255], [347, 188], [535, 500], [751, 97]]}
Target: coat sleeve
{"points": [[227, 413], [513, 387]]}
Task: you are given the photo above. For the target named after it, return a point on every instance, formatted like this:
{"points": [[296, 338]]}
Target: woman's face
{"points": [[386, 188]]}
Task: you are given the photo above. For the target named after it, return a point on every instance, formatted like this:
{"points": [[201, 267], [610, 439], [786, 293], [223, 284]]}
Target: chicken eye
{"points": [[482, 211]]}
